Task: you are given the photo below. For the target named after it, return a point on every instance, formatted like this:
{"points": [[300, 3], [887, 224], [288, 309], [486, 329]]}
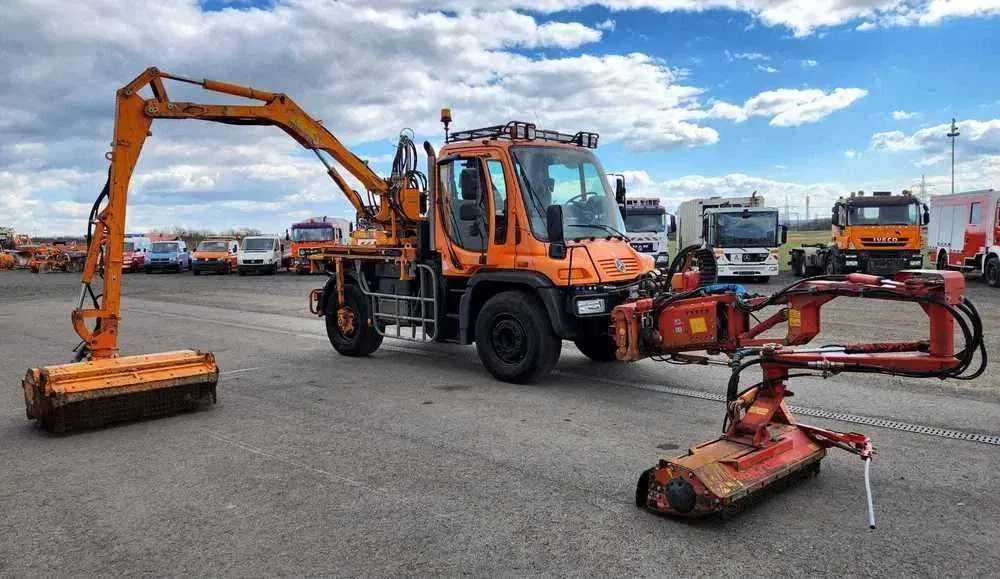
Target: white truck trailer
{"points": [[648, 226], [743, 233]]}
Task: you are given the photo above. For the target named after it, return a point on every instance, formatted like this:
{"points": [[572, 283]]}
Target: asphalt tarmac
{"points": [[416, 462]]}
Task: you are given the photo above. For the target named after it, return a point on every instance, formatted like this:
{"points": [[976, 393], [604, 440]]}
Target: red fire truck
{"points": [[964, 233]]}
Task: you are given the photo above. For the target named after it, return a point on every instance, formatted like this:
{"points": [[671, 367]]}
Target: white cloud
{"points": [[767, 69], [809, 63], [977, 138], [865, 26], [903, 115], [790, 107], [851, 154], [747, 56], [607, 24]]}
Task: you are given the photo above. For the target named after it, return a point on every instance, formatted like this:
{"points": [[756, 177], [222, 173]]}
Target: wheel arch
{"points": [[485, 284]]}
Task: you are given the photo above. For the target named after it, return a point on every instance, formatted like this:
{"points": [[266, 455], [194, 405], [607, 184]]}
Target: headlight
{"points": [[590, 307]]}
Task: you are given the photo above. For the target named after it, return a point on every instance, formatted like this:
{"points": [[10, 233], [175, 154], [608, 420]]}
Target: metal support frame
{"points": [[428, 325]]}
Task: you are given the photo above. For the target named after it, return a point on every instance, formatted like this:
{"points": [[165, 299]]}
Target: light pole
{"points": [[954, 133]]}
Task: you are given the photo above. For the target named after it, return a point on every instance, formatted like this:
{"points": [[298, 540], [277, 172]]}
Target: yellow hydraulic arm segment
{"points": [[103, 387]]}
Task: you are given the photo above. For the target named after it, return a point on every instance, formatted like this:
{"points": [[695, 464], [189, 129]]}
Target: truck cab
{"points": [[648, 227], [743, 234], [880, 234], [521, 246], [261, 254], [311, 236], [171, 255], [215, 255]]}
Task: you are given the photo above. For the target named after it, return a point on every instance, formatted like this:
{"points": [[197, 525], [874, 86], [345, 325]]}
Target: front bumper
{"points": [[256, 266], [162, 265], [881, 263], [216, 266], [747, 270]]}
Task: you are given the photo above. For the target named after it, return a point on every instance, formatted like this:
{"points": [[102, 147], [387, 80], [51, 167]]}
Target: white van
{"points": [[261, 253]]}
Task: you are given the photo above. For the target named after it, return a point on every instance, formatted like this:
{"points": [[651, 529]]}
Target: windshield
{"points": [[212, 246], [129, 246], [258, 244], [652, 223], [746, 229], [313, 234], [169, 247], [884, 215], [572, 178]]}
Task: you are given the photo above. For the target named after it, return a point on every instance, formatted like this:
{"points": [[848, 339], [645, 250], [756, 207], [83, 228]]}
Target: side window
{"points": [[976, 214], [498, 184], [461, 193]]}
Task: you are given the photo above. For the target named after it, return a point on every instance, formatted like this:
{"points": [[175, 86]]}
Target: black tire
{"points": [[229, 269], [831, 266], [195, 271], [242, 272], [274, 269], [642, 489], [798, 268], [992, 271], [363, 339], [514, 338], [942, 261], [599, 347]]}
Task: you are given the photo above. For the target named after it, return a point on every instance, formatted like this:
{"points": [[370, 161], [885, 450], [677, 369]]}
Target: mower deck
{"points": [[721, 475]]}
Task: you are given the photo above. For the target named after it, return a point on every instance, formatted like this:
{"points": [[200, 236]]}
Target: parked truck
{"points": [[743, 234], [648, 226], [879, 233], [964, 233], [6, 238], [311, 236]]}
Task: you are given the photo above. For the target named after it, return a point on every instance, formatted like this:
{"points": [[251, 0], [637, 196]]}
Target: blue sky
{"points": [[788, 97]]}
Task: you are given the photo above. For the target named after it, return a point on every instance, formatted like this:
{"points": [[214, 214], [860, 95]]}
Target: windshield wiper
{"points": [[608, 228], [527, 185]]}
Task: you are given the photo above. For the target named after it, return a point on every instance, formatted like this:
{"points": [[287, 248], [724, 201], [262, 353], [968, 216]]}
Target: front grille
{"points": [[629, 266], [885, 266], [253, 261], [885, 241], [754, 257]]}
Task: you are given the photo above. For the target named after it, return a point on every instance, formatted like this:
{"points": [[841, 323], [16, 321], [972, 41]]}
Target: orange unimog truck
{"points": [[879, 234], [216, 254]]}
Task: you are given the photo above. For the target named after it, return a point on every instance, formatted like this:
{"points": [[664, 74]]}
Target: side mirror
{"points": [[288, 236], [620, 190], [704, 230], [782, 234], [927, 216], [554, 230], [673, 225], [835, 217]]}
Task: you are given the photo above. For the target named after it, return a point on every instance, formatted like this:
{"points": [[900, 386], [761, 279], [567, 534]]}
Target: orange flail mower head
{"points": [[105, 391]]}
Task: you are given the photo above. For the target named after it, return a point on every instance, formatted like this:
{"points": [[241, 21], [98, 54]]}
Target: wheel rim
{"points": [[345, 322], [509, 340]]}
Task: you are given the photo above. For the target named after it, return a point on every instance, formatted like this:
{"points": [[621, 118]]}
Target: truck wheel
{"points": [[348, 327], [195, 271], [242, 272], [599, 347], [798, 269], [942, 261], [992, 271], [514, 338], [831, 266]]}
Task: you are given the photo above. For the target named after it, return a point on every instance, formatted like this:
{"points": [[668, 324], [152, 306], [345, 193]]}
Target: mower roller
{"points": [[762, 446]]}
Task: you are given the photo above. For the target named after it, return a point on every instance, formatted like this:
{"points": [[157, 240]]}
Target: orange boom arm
{"points": [[133, 117]]}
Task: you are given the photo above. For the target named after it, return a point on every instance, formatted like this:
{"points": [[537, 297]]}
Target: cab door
{"points": [[472, 219]]}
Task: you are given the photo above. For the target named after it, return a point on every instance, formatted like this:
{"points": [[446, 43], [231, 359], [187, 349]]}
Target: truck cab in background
{"points": [[648, 226], [743, 234], [964, 233], [879, 234], [311, 236], [170, 255]]}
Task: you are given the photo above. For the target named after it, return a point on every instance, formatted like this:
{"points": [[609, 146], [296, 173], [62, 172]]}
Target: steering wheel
{"points": [[584, 208]]}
